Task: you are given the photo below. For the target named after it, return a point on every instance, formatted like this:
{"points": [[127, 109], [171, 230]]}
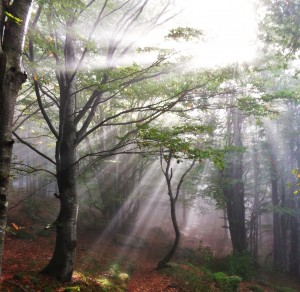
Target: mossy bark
{"points": [[11, 79]]}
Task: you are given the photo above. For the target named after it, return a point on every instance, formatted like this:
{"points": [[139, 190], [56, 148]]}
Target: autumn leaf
{"points": [[15, 226]]}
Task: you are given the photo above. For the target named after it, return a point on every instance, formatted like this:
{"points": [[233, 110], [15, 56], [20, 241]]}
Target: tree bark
{"points": [[294, 263], [233, 186], [277, 259], [62, 263], [163, 263], [11, 79]]}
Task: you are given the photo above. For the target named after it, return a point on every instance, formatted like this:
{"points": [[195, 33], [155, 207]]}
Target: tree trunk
{"points": [[233, 186], [294, 263], [295, 251], [11, 80], [276, 227], [279, 228], [163, 263], [62, 262], [236, 219]]}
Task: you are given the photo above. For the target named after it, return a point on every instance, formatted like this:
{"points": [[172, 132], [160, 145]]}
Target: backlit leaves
{"points": [[281, 23], [184, 33], [184, 142]]}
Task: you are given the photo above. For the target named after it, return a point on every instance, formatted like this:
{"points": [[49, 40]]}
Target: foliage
{"points": [[280, 25], [252, 106], [184, 33], [184, 142], [205, 255], [227, 283]]}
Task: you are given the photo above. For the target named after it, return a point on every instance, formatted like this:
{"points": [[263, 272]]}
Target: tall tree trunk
{"points": [[279, 230], [294, 264], [11, 79], [233, 187], [62, 262], [236, 219], [294, 252], [276, 226]]}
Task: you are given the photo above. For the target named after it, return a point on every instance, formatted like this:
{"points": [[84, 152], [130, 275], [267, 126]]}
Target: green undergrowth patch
{"points": [[190, 277], [114, 279], [227, 283], [234, 265]]}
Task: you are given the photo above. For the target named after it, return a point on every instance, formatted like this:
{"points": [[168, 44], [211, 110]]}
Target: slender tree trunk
{"points": [[276, 226], [294, 264], [163, 263], [294, 253], [279, 229], [11, 79], [168, 172]]}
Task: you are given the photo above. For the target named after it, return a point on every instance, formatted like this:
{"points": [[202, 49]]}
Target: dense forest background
{"points": [[109, 131]]}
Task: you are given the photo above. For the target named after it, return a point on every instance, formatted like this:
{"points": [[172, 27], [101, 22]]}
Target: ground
{"points": [[99, 267]]}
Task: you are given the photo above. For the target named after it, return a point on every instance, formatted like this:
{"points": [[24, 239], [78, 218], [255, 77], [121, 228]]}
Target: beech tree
{"points": [[13, 25], [176, 145], [233, 185]]}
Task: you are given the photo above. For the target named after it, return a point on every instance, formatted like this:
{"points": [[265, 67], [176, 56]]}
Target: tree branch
{"points": [[33, 148]]}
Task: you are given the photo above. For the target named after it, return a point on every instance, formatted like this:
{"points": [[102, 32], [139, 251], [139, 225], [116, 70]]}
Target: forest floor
{"points": [[99, 267]]}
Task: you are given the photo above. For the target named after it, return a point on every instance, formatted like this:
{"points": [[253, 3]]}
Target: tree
{"points": [[13, 25], [176, 145], [233, 185]]}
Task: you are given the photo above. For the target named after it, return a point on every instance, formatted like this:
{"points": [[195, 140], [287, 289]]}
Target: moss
{"points": [[72, 289], [190, 277], [227, 283]]}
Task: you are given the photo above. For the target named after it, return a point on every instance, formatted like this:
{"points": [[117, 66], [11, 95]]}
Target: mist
{"points": [[154, 146]]}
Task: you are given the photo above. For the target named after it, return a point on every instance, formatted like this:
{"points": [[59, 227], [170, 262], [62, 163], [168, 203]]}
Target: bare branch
{"points": [[33, 169], [42, 108], [182, 179], [33, 148], [24, 120]]}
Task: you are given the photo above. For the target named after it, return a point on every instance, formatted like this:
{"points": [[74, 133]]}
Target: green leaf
{"points": [[15, 19], [185, 33], [295, 171]]}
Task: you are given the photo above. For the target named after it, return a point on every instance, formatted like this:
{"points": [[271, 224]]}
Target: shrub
{"points": [[239, 265]]}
